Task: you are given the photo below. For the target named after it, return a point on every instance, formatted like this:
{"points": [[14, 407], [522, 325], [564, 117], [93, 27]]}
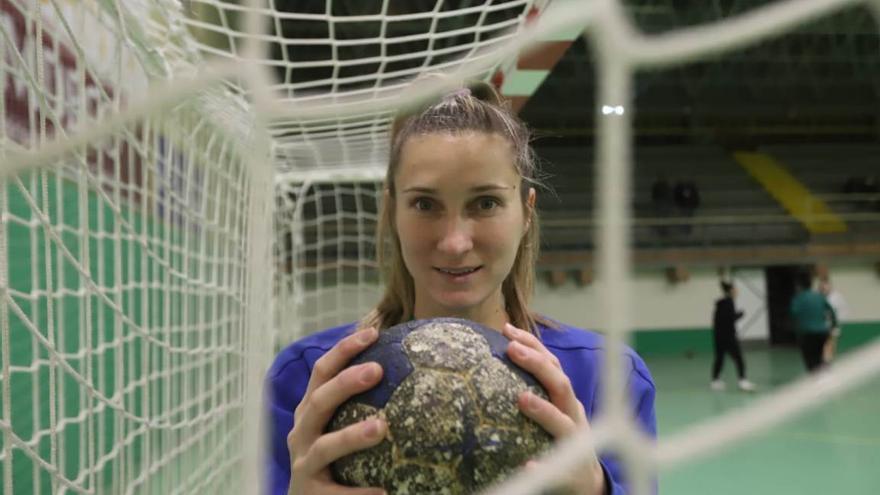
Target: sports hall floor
{"points": [[834, 449]]}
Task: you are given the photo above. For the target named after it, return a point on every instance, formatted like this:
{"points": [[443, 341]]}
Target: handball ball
{"points": [[449, 396]]}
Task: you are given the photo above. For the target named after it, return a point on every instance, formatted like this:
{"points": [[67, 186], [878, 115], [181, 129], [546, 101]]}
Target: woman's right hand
{"points": [[331, 384]]}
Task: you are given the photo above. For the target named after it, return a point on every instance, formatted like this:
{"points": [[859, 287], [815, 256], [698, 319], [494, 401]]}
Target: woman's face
{"points": [[460, 220]]}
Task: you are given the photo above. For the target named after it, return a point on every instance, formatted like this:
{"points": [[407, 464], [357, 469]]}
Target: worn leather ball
{"points": [[449, 395]]}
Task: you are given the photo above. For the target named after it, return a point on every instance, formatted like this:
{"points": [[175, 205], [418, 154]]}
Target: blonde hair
{"points": [[477, 108]]}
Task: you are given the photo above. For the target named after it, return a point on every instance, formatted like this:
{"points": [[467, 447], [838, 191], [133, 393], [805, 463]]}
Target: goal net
{"points": [[187, 185], [124, 256]]}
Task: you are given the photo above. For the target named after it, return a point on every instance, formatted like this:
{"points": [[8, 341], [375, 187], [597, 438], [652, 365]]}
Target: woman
{"points": [[725, 341], [814, 318], [458, 237]]}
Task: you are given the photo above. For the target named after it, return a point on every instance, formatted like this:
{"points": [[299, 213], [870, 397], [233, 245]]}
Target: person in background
{"points": [[724, 337], [812, 313], [838, 304]]}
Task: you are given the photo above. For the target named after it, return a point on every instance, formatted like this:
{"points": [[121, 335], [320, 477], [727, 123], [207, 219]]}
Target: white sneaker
{"points": [[717, 385], [746, 386]]}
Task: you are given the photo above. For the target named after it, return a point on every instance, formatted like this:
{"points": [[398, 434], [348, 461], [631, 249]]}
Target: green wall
{"points": [[148, 297]]}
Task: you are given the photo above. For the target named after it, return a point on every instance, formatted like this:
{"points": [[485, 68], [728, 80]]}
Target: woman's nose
{"points": [[457, 238]]}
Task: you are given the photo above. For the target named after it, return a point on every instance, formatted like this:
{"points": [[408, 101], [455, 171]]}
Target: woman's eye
{"points": [[487, 204], [422, 204]]}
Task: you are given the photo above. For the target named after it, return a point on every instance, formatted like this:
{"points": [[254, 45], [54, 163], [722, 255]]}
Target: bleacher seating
{"points": [[734, 209], [825, 168]]}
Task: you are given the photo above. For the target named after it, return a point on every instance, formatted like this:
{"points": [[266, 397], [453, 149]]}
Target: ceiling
{"points": [[821, 81]]}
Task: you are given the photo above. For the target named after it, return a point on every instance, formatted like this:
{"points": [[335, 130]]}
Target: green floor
{"points": [[832, 449]]}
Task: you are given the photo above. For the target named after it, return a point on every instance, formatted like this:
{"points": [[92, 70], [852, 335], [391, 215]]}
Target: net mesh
{"points": [[327, 273], [136, 215], [124, 263], [330, 53]]}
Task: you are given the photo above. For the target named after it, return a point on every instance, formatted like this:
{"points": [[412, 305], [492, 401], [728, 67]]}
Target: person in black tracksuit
{"points": [[724, 336]]}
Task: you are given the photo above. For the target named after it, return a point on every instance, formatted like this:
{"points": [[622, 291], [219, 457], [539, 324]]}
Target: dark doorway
{"points": [[780, 290]]}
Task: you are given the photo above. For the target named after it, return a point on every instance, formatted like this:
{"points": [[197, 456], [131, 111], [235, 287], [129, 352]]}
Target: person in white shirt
{"points": [[838, 303]]}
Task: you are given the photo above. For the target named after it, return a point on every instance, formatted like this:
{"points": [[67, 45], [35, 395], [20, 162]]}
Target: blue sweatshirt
{"points": [[579, 351]]}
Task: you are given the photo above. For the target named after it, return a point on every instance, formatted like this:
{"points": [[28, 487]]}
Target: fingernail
{"points": [[369, 374], [373, 428], [531, 402], [367, 335]]}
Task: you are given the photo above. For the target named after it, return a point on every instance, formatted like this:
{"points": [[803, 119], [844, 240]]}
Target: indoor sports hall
{"points": [[188, 186]]}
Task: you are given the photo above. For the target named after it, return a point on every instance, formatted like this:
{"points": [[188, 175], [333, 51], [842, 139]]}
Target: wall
{"points": [[860, 286], [677, 318]]}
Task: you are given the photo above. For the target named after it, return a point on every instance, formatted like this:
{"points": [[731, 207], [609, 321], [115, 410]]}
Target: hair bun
{"points": [[485, 92]]}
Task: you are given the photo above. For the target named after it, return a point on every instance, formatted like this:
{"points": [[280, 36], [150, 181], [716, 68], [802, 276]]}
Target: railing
{"points": [[702, 230]]}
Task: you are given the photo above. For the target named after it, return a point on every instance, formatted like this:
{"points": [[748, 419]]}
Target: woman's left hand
{"points": [[563, 414]]}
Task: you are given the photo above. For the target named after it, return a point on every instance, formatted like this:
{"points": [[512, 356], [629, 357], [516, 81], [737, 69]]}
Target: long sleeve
{"points": [[286, 384], [729, 311], [286, 387], [643, 394], [726, 316]]}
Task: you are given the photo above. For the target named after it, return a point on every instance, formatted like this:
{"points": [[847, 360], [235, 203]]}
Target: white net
{"points": [[329, 54], [134, 263], [123, 260], [327, 273]]}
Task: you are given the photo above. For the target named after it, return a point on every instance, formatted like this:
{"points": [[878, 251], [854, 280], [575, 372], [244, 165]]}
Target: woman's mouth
{"points": [[458, 274]]}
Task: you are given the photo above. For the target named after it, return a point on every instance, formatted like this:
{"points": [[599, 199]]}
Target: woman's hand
{"points": [[311, 450], [563, 414]]}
